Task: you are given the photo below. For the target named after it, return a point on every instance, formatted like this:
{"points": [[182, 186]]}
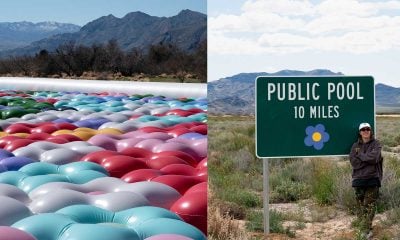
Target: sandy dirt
{"points": [[315, 222]]}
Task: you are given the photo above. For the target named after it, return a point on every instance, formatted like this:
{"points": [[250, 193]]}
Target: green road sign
{"points": [[311, 116]]}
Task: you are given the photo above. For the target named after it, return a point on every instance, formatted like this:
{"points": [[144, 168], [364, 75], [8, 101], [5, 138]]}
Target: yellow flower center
{"points": [[316, 137]]}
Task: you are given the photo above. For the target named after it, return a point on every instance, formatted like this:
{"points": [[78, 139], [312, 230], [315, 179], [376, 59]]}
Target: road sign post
{"points": [[309, 117], [266, 195]]}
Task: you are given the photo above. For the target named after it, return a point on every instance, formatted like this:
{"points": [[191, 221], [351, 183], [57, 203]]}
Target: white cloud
{"points": [[354, 7], [254, 22], [289, 26], [221, 44], [281, 7]]}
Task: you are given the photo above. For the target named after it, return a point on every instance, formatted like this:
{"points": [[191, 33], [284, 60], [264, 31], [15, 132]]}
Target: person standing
{"points": [[366, 161]]}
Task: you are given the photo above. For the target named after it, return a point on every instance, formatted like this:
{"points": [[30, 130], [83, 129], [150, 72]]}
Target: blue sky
{"points": [[356, 37], [81, 12]]}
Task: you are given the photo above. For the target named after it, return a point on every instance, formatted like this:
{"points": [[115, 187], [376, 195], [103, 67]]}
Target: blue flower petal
{"points": [[319, 145], [320, 128], [308, 141], [325, 137], [310, 130]]}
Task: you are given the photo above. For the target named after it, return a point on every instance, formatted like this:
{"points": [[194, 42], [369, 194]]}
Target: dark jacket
{"points": [[366, 160]]}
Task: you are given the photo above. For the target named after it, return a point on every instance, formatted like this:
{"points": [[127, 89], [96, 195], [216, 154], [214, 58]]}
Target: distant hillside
{"points": [[387, 99], [386, 95], [19, 34], [135, 30], [235, 95]]}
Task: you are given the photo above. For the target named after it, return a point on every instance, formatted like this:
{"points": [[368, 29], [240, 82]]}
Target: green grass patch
{"points": [[255, 223], [242, 197], [323, 184]]}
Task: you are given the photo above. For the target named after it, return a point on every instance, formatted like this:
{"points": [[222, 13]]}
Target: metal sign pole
{"points": [[266, 195]]}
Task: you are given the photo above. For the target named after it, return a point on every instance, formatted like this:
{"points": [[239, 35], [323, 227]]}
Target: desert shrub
{"points": [[390, 190], [240, 140], [242, 159], [389, 141], [227, 141], [323, 184], [232, 210], [289, 180], [223, 227], [255, 182], [289, 191], [393, 216], [298, 170], [344, 195], [255, 221], [232, 187], [391, 168], [386, 148], [242, 197], [256, 218]]}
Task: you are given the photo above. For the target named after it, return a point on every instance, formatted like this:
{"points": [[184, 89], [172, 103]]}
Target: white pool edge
{"points": [[176, 90]]}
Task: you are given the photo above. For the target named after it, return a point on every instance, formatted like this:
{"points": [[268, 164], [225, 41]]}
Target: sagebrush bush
{"points": [[242, 159], [390, 191], [289, 180], [344, 195], [242, 197], [276, 224], [256, 222], [289, 191], [232, 210], [323, 183]]}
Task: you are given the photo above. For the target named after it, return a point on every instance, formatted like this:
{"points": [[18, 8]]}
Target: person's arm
{"points": [[355, 162], [372, 156]]}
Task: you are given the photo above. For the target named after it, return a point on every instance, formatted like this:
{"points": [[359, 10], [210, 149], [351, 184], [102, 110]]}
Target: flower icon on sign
{"points": [[316, 136]]}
